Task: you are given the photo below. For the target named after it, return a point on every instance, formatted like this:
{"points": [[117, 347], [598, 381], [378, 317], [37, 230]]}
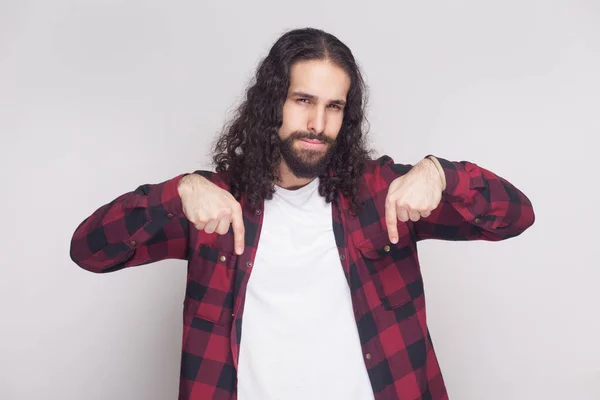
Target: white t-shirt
{"points": [[299, 337]]}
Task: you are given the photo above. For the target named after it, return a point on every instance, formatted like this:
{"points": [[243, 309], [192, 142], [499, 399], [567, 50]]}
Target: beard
{"points": [[307, 163]]}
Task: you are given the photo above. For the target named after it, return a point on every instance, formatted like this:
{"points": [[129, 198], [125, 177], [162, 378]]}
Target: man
{"points": [[303, 277]]}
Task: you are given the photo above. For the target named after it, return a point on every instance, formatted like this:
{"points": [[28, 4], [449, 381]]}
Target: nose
{"points": [[317, 120]]}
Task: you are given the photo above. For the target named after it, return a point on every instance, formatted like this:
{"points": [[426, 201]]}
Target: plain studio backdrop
{"points": [[98, 97]]}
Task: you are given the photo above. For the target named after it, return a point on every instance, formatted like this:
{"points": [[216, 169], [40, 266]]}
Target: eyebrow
{"points": [[313, 97]]}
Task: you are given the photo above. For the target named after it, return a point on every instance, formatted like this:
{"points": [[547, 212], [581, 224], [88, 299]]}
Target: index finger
{"points": [[391, 220], [237, 223]]}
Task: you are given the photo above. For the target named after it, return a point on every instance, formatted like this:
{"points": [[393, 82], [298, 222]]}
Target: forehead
{"points": [[320, 78]]}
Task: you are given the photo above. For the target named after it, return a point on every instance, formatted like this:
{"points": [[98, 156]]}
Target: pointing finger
{"points": [[391, 221], [237, 222]]}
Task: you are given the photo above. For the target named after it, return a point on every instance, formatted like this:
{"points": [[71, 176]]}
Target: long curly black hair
{"points": [[248, 149]]}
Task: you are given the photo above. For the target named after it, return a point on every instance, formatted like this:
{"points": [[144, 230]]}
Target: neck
{"points": [[288, 180]]}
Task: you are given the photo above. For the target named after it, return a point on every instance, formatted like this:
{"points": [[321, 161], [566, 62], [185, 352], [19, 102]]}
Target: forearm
{"points": [[490, 206], [136, 228]]}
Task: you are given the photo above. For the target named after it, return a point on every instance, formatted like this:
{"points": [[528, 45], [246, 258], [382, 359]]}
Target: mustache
{"points": [[312, 136]]}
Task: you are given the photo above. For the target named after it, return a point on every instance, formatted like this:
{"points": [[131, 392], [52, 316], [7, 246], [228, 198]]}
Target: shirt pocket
{"points": [[209, 290], [394, 269]]}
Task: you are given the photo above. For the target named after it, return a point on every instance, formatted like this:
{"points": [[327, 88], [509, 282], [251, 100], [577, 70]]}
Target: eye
{"points": [[335, 106], [303, 101]]}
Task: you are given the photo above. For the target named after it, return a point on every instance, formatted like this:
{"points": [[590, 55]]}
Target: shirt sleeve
{"points": [[476, 205], [139, 227]]}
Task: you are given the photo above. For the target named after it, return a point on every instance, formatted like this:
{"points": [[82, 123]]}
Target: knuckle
{"points": [[225, 213]]}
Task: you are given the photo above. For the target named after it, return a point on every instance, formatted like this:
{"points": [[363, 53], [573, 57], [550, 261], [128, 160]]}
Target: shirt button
{"points": [[222, 258], [477, 220], [257, 212], [169, 215], [368, 356], [249, 264], [387, 248], [342, 257], [132, 243]]}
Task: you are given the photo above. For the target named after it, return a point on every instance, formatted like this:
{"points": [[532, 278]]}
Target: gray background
{"points": [[98, 97]]}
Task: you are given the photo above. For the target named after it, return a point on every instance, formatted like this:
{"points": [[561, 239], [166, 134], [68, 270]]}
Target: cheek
{"points": [[292, 118], [334, 125]]}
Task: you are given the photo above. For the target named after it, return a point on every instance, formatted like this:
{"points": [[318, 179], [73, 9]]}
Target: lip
{"points": [[312, 143]]}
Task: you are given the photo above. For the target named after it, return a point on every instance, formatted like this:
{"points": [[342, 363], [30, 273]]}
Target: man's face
{"points": [[312, 116]]}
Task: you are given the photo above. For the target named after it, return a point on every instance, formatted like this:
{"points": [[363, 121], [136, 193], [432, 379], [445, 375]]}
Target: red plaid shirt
{"points": [[385, 281]]}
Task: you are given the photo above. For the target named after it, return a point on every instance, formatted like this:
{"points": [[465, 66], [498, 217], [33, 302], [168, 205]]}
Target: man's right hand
{"points": [[211, 208]]}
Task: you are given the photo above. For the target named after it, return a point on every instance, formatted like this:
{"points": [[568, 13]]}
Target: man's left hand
{"points": [[413, 195]]}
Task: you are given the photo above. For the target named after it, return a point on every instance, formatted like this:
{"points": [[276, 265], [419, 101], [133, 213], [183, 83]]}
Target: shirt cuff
{"points": [[450, 174], [167, 197]]}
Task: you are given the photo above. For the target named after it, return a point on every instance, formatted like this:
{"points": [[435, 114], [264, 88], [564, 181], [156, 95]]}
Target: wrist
{"points": [[185, 183], [439, 169]]}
